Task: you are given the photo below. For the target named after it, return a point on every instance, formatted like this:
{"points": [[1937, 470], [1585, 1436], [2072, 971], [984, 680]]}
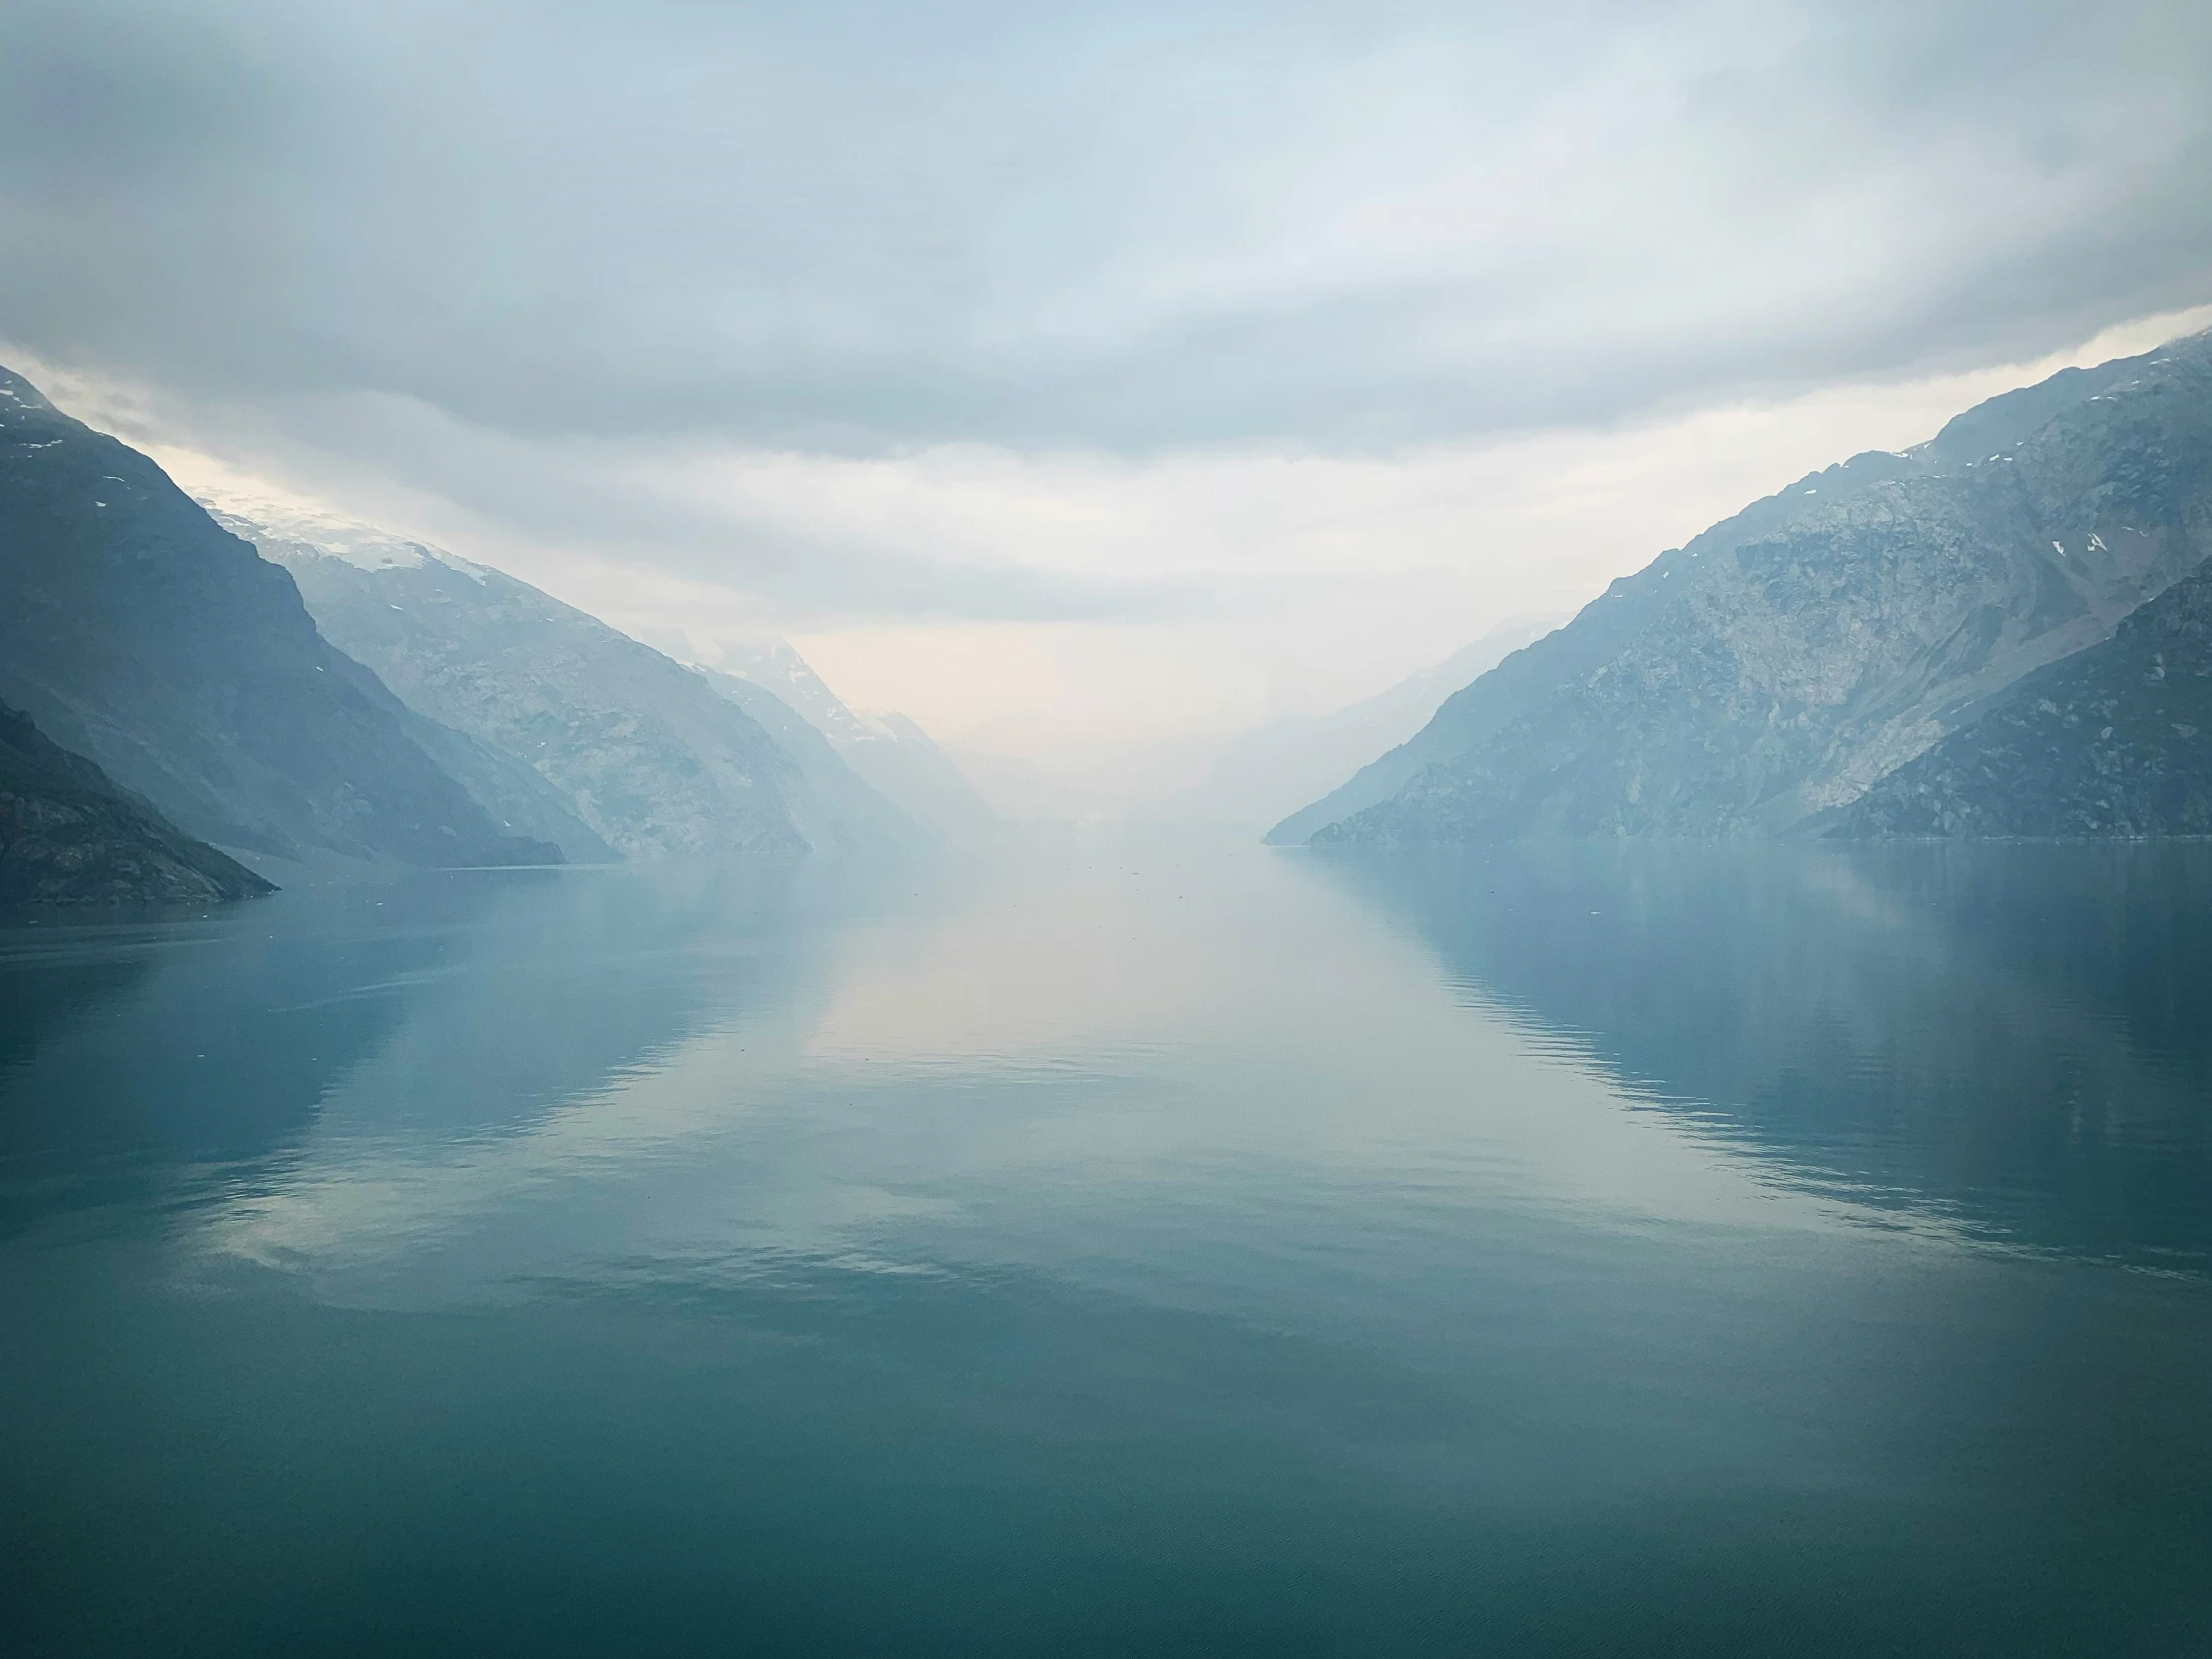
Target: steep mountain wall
{"points": [[68, 836], [138, 633], [640, 751], [1781, 662], [2112, 742]]}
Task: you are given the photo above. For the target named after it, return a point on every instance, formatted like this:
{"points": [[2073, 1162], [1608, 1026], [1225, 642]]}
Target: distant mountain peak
{"points": [[890, 751], [777, 665]]}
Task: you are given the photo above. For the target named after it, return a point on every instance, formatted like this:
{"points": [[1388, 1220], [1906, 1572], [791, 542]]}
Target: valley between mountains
{"points": [[2006, 631]]}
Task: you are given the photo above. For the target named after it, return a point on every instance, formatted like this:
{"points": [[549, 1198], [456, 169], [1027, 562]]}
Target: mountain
{"points": [[138, 633], [512, 793], [775, 666], [601, 742], [1783, 661], [892, 752], [895, 755], [821, 763], [1266, 773], [68, 836], [2114, 740]]}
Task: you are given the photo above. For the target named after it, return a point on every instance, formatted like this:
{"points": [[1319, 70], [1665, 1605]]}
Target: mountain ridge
{"points": [[593, 734], [1780, 663], [902, 761], [142, 636]]}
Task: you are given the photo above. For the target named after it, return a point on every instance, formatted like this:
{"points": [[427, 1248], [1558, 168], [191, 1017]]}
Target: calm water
{"points": [[1130, 1250]]}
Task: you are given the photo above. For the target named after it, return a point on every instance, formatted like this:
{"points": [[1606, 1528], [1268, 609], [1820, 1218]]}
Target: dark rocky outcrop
{"points": [[68, 836], [2112, 742]]}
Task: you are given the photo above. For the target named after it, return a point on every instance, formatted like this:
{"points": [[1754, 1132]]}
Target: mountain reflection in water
{"points": [[2017, 1037], [1132, 1247]]}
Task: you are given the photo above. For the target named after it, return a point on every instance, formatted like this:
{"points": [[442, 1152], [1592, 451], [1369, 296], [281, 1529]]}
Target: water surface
{"points": [[1131, 1249]]}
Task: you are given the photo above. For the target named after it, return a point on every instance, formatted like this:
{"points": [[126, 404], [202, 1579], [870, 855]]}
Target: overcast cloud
{"points": [[876, 322], [1132, 226]]}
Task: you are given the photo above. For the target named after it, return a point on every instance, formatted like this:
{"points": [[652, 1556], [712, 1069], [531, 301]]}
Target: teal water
{"points": [[1124, 1250]]}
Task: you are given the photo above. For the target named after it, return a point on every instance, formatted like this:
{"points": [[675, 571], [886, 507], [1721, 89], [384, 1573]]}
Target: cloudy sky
{"points": [[1087, 382]]}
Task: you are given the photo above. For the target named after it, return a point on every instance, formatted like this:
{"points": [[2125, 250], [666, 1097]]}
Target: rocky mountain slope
{"points": [[892, 752], [138, 633], [1783, 661], [68, 836], [603, 742], [2114, 740], [1272, 770]]}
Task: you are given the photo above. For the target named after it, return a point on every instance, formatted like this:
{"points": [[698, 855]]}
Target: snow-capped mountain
{"points": [[599, 742]]}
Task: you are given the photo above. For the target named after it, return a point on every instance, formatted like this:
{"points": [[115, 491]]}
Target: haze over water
{"points": [[1134, 1247]]}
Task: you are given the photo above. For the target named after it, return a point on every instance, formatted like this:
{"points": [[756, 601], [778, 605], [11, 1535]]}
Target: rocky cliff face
{"points": [[626, 746], [138, 633], [68, 836], [1783, 661], [2112, 742]]}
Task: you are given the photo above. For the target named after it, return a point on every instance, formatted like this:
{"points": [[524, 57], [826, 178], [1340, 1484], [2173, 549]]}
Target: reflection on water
{"points": [[2019, 1037], [1143, 1249]]}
